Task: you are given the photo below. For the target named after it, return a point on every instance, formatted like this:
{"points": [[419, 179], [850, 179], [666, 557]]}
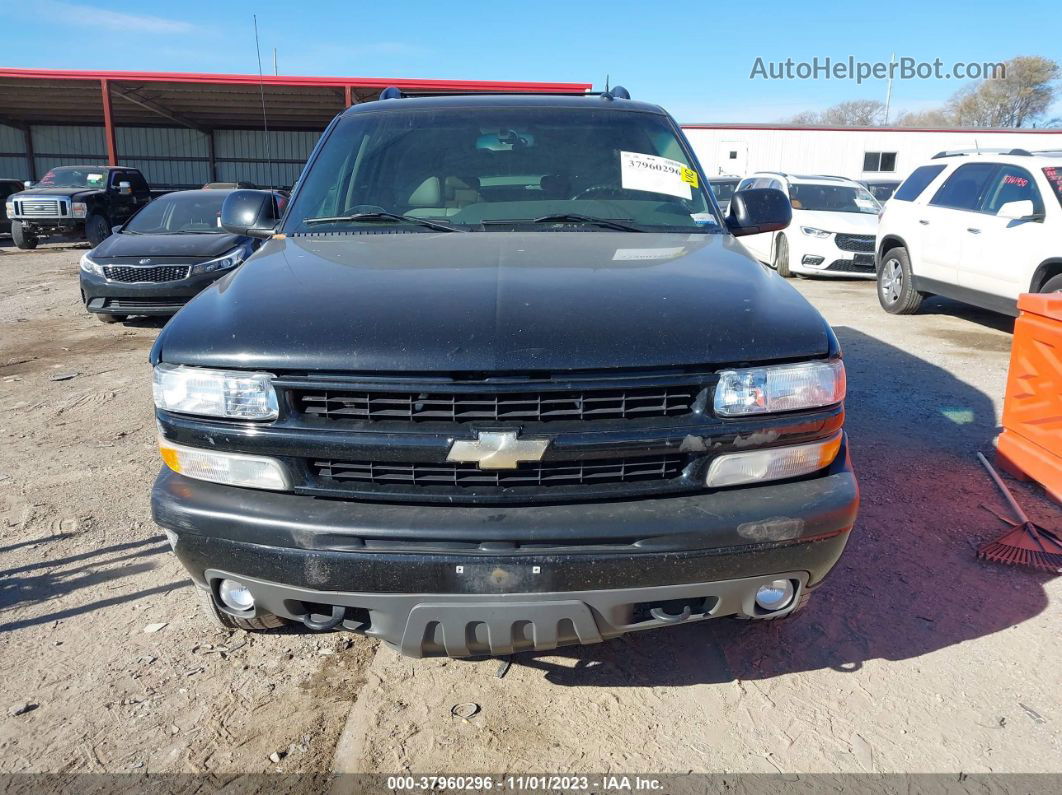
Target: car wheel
{"points": [[219, 618], [105, 318], [896, 292], [22, 238], [97, 229], [1052, 285], [781, 256]]}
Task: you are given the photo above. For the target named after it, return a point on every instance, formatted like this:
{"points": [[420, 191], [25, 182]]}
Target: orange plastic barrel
{"points": [[1031, 442]]}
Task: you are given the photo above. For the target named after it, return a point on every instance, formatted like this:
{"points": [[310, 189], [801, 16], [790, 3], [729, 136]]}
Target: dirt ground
{"points": [[914, 657]]}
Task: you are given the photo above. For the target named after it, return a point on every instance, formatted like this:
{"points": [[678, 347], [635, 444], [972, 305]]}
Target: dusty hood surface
{"points": [[493, 301]]}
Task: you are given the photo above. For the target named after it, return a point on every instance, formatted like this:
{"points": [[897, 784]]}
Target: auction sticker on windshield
{"points": [[656, 174]]}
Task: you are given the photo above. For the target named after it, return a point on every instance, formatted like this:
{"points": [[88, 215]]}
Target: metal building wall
{"points": [[166, 156], [12, 154], [252, 156], [169, 157], [55, 145]]}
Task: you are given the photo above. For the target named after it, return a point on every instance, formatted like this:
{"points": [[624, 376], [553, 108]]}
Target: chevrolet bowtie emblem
{"points": [[497, 450]]}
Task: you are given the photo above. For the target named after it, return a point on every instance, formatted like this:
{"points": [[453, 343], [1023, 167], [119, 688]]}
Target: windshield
{"points": [[832, 198], [74, 177], [492, 169], [882, 191], [723, 188], [190, 211]]}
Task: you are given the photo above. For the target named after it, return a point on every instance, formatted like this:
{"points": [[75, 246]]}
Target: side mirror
{"points": [[758, 210], [116, 229], [253, 213], [1019, 210], [124, 188]]}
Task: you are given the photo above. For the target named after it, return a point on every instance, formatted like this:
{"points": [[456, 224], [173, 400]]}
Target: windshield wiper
{"points": [[579, 218], [439, 226]]}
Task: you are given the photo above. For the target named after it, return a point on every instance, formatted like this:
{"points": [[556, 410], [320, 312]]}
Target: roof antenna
{"points": [[261, 92]]}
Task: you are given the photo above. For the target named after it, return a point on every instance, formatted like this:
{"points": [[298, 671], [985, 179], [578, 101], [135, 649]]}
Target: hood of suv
{"points": [[845, 223], [494, 302]]}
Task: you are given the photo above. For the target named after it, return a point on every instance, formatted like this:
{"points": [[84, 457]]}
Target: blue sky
{"points": [[693, 58]]}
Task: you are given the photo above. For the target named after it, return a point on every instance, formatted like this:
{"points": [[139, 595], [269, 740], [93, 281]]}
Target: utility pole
{"points": [[275, 72], [888, 91]]}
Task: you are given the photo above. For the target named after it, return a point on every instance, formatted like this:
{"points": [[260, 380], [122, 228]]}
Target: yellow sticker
{"points": [[690, 176]]}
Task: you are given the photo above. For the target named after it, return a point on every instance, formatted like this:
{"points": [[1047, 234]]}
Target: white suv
{"points": [[833, 227], [980, 227]]}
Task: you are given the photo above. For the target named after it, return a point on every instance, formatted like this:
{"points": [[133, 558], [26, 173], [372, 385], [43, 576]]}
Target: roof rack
{"points": [[982, 151], [616, 92]]}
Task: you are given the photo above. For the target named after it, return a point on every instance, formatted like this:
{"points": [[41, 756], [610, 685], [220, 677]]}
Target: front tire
{"points": [[219, 618], [23, 238], [1053, 285], [97, 229], [896, 292], [781, 257]]}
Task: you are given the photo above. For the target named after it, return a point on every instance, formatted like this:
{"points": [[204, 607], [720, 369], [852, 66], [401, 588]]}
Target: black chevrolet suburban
{"points": [[76, 203], [501, 378]]}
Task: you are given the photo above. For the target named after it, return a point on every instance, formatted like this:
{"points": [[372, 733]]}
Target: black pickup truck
{"points": [[501, 378], [76, 203]]}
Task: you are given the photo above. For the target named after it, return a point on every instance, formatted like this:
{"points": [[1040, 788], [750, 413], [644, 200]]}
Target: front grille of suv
{"points": [[545, 475], [861, 243], [531, 406], [611, 434], [158, 273]]}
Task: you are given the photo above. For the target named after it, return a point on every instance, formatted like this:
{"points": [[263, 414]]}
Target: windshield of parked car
{"points": [[832, 198], [196, 211], [74, 177], [882, 191], [496, 169], [723, 189]]}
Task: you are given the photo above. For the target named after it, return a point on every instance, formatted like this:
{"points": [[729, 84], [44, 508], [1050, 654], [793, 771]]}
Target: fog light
{"points": [[773, 596], [811, 259], [235, 596]]}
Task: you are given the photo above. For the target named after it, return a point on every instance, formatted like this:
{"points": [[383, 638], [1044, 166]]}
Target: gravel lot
{"points": [[915, 657]]}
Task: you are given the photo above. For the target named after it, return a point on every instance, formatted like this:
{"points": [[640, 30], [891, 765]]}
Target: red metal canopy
{"points": [[210, 101]]}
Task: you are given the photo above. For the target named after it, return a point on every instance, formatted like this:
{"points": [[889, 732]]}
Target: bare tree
{"points": [[1018, 99], [853, 113], [937, 117]]}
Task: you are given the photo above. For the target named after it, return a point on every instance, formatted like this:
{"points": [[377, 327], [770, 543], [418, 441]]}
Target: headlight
{"points": [[232, 469], [214, 393], [9, 208], [90, 265], [811, 231], [78, 209], [777, 463], [224, 262], [763, 390]]}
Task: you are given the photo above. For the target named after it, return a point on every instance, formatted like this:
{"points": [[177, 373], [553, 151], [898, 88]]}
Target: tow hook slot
{"points": [[673, 611], [321, 623], [660, 614]]}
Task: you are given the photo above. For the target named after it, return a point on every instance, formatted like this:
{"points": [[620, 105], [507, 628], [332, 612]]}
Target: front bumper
{"points": [[825, 258], [435, 579], [142, 298], [54, 227]]}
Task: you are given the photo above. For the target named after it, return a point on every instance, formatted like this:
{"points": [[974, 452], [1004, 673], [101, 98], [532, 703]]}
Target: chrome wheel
{"points": [[892, 281]]}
